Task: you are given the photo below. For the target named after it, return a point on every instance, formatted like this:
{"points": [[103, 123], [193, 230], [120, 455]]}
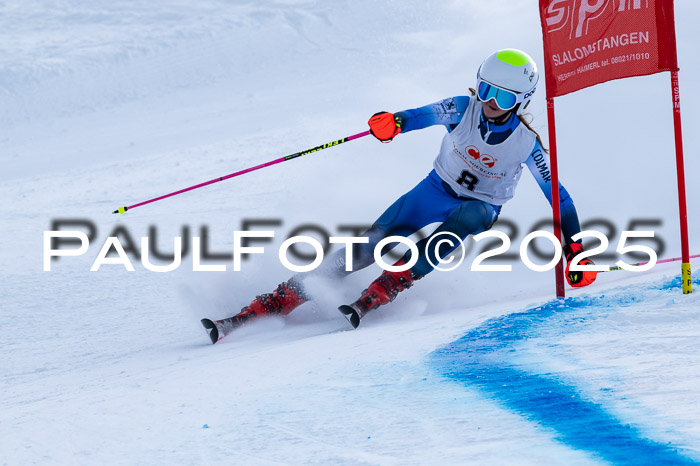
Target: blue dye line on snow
{"points": [[481, 359]]}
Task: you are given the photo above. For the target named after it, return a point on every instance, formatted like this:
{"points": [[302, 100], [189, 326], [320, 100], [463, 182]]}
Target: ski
{"points": [[353, 313], [218, 329]]}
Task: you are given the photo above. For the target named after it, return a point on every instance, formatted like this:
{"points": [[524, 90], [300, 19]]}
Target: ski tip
{"points": [[351, 314], [213, 332], [120, 210]]}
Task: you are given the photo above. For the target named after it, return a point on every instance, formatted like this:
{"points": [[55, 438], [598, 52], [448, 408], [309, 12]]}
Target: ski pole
{"points": [[121, 210], [612, 269]]}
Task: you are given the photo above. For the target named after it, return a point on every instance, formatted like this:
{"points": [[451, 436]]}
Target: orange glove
{"points": [[384, 126], [578, 278]]}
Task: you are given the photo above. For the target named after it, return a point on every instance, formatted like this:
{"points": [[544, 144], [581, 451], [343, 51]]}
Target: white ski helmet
{"points": [[510, 77]]}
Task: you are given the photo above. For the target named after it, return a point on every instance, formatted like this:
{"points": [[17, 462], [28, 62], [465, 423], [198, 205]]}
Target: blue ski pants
{"points": [[430, 201]]}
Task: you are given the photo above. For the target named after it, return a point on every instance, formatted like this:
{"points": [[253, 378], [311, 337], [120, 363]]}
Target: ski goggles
{"points": [[505, 99]]}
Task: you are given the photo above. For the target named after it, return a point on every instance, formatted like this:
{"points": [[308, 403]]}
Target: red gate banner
{"points": [[587, 42]]}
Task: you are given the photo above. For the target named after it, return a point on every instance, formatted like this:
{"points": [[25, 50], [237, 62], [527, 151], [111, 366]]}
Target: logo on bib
{"points": [[484, 159]]}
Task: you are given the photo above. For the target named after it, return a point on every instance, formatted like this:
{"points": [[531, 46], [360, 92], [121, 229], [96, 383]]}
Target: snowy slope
{"points": [[110, 103]]}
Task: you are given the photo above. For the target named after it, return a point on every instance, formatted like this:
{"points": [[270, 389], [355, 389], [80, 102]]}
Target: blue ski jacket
{"points": [[449, 113]]}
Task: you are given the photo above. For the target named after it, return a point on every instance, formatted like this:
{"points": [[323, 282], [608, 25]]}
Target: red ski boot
{"points": [[287, 297], [381, 291]]}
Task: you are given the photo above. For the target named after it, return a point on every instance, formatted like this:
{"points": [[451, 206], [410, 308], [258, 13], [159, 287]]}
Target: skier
{"points": [[477, 168]]}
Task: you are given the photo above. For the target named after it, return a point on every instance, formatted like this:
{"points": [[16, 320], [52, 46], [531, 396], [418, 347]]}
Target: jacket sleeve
{"points": [[447, 112], [538, 163]]}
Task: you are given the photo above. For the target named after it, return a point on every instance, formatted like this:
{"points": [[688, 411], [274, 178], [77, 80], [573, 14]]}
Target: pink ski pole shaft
{"points": [[121, 210], [658, 262]]}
